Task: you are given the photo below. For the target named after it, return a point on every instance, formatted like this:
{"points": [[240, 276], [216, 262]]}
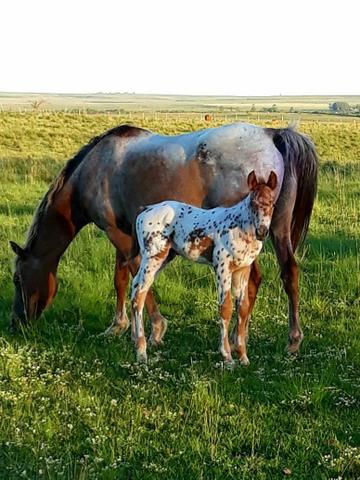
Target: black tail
{"points": [[300, 160]]}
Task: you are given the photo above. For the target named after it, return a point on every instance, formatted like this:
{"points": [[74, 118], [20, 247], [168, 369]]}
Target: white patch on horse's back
{"points": [[245, 147], [236, 139], [169, 147]]}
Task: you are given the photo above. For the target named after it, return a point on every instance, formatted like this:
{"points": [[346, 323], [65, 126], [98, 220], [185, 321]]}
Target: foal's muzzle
{"points": [[261, 233]]}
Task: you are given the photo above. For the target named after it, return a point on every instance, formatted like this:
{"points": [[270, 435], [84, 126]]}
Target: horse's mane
{"points": [[68, 170]]}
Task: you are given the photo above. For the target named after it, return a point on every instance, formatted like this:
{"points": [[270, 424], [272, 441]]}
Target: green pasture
{"points": [[75, 405]]}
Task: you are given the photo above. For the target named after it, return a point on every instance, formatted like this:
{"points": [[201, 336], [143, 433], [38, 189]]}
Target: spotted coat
{"points": [[229, 239]]}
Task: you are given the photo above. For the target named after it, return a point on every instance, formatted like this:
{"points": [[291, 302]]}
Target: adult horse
{"points": [[127, 167]]}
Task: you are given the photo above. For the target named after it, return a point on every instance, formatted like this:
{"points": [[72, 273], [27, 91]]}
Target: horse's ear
{"points": [[272, 182], [252, 180], [20, 252]]}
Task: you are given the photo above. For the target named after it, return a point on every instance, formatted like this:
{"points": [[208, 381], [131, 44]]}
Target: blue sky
{"points": [[195, 47]]}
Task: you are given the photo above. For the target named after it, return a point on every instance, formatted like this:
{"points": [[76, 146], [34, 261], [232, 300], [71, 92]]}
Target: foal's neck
{"points": [[243, 212]]}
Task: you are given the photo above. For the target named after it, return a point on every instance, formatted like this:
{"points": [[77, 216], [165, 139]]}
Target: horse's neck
{"points": [[54, 229]]}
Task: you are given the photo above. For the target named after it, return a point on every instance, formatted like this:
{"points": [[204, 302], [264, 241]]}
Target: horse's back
{"points": [[204, 168]]}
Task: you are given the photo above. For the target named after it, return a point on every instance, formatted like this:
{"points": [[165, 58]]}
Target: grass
{"points": [[75, 405]]}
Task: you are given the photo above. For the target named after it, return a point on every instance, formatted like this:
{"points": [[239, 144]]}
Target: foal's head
{"points": [[262, 198], [35, 286]]}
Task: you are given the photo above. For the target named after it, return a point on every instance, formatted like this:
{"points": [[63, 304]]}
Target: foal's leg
{"points": [[140, 287], [239, 334], [223, 278], [158, 322], [123, 244]]}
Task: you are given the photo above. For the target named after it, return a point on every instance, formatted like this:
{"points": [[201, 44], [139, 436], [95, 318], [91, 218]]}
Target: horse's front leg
{"points": [[121, 279], [223, 278], [239, 336], [123, 243]]}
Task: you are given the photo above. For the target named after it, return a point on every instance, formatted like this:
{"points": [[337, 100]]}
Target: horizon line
{"points": [[280, 95]]}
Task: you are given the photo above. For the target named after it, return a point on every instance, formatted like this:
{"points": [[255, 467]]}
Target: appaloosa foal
{"points": [[230, 239]]}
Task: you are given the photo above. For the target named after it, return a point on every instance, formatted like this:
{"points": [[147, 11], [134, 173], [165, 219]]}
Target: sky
{"points": [[223, 47]]}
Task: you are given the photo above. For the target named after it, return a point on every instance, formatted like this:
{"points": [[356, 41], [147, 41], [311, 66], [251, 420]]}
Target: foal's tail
{"points": [[135, 246], [300, 160]]}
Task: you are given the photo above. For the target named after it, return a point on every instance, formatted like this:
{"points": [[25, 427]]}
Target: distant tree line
{"points": [[344, 108]]}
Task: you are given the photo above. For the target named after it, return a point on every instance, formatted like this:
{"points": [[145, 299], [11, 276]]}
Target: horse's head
{"points": [[35, 286], [262, 198]]}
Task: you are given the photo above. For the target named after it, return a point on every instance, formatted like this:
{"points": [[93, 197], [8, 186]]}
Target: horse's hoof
{"points": [[294, 344], [153, 342], [115, 330], [244, 361]]}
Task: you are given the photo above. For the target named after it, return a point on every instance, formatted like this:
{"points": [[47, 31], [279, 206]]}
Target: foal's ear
{"points": [[20, 252], [272, 182], [252, 180]]}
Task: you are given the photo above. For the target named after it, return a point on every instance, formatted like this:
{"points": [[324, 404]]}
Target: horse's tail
{"points": [[300, 160]]}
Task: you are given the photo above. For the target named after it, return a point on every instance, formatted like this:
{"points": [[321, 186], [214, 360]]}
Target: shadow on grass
{"points": [[17, 209], [331, 167], [339, 245]]}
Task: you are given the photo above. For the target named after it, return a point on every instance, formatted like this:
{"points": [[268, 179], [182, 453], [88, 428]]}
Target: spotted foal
{"points": [[229, 239]]}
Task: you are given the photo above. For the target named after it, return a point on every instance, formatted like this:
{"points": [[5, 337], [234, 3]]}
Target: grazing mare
{"points": [[126, 168], [229, 239]]}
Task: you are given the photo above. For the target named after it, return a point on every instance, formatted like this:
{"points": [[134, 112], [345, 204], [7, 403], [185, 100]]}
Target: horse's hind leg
{"points": [[158, 322], [289, 276]]}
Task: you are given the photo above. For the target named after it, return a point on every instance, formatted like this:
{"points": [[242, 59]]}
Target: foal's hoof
{"points": [[141, 357], [294, 344]]}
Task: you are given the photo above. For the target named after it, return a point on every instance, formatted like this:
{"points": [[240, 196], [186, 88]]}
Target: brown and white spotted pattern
{"points": [[229, 239]]}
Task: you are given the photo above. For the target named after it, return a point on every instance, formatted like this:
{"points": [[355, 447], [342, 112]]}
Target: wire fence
{"points": [[205, 115]]}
